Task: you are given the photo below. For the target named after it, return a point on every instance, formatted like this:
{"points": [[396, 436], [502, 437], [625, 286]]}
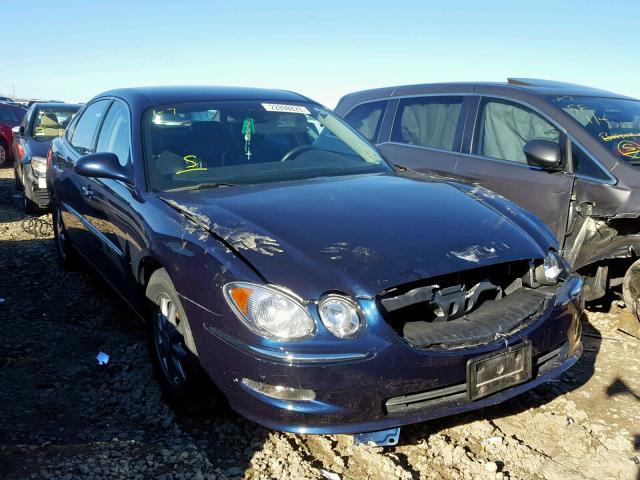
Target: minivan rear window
{"points": [[614, 122]]}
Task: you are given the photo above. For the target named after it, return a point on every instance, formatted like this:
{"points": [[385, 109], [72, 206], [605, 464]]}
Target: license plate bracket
{"points": [[498, 371]]}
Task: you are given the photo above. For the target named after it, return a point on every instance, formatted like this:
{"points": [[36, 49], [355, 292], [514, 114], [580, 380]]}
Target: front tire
{"points": [[30, 207], [631, 287], [19, 186], [183, 383]]}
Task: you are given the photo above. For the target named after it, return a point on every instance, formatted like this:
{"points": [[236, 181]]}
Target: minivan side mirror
{"points": [[17, 131], [543, 153], [102, 165]]}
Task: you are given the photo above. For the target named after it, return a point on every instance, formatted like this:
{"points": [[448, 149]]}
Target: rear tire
{"points": [[631, 287], [4, 154], [183, 382], [67, 256]]}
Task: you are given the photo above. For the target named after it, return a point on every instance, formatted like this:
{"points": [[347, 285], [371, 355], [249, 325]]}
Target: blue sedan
{"points": [[276, 255]]}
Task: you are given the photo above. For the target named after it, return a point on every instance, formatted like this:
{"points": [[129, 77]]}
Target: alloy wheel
{"points": [[3, 154], [169, 341]]}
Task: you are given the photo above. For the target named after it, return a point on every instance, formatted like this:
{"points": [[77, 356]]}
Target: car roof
{"points": [[530, 86], [176, 94]]}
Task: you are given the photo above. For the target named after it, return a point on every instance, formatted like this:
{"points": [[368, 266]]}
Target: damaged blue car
{"points": [[274, 252]]}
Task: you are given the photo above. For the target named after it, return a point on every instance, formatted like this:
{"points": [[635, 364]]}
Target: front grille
{"points": [[41, 197], [456, 394], [466, 308]]}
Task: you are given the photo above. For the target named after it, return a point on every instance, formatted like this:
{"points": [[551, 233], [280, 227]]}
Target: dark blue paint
{"points": [[355, 234]]}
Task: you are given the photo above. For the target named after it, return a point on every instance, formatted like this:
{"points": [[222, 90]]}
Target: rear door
{"points": [[426, 133], [75, 190], [495, 159]]}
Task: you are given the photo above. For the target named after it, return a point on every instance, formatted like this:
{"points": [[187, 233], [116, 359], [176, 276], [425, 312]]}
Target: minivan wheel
{"points": [[67, 256], [183, 383]]}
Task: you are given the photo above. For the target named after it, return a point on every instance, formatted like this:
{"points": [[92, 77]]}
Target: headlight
{"points": [[39, 166], [269, 312], [554, 266], [340, 315]]}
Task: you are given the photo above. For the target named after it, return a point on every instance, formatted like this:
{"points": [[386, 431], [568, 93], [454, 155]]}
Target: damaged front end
{"points": [[476, 306]]}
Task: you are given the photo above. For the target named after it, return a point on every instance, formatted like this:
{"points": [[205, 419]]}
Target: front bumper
{"points": [[35, 188], [381, 382]]}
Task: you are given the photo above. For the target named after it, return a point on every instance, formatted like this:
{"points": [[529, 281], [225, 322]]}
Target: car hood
{"points": [[38, 148], [359, 234]]}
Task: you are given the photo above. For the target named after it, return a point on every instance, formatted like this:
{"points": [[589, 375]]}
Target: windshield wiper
{"points": [[203, 186]]}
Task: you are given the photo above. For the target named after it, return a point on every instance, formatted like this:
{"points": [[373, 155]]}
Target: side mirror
{"points": [[102, 165], [17, 131], [543, 153]]}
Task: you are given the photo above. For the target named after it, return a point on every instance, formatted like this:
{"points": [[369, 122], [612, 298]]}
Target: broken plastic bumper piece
{"points": [[381, 438]]}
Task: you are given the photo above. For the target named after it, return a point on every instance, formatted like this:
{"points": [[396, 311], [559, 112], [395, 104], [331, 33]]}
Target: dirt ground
{"points": [[63, 416]]}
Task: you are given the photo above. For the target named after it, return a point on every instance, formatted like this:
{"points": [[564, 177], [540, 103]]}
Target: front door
{"points": [[497, 161]]}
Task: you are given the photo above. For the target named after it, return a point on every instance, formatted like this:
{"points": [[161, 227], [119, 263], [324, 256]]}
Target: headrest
{"points": [[49, 120]]}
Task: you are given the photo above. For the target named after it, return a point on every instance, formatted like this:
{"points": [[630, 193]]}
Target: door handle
{"points": [[87, 192]]}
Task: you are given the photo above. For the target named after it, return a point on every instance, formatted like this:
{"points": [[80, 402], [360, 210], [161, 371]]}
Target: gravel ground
{"points": [[63, 416]]}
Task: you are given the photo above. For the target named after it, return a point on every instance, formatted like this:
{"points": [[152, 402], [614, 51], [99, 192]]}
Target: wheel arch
{"points": [[146, 266]]}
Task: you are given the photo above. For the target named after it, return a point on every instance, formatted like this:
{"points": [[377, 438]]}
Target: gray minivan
{"points": [[568, 153]]}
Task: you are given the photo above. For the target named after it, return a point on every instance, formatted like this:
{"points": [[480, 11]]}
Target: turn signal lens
{"points": [[269, 311], [241, 298], [553, 266]]}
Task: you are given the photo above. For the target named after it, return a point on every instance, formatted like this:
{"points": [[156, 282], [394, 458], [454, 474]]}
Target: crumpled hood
{"points": [[358, 234], [38, 148]]}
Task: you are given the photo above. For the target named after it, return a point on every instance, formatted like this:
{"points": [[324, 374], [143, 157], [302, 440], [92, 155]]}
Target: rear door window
{"points": [[505, 127], [115, 136], [86, 126], [428, 122], [366, 118]]}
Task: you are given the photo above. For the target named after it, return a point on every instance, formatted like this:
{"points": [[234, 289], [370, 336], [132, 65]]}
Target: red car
{"points": [[10, 116]]}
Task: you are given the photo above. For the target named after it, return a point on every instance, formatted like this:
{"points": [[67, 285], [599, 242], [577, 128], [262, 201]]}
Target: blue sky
{"points": [[72, 49]]}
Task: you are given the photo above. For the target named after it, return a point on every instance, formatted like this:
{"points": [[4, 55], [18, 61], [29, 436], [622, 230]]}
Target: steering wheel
{"points": [[294, 152]]}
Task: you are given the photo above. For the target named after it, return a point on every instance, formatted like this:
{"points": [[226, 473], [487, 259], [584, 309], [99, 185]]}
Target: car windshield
{"points": [[50, 123], [613, 122], [202, 145]]}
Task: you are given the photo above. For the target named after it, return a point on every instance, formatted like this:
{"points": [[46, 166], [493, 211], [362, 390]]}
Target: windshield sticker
{"points": [[192, 165], [589, 115], [629, 149], [277, 107], [608, 138]]}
